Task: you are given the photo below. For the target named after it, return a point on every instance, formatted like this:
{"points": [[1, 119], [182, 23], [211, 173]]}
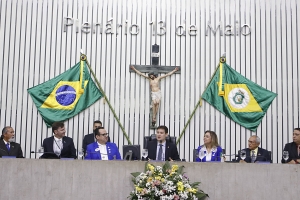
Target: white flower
{"points": [[170, 188], [183, 195], [169, 182]]}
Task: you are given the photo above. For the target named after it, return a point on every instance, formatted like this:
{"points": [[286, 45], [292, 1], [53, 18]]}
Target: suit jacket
{"points": [[68, 150], [170, 151], [215, 154], [93, 152], [15, 150], [293, 152], [262, 155], [89, 139]]}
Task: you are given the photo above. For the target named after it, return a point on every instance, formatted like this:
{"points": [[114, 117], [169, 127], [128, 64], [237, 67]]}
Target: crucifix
{"points": [[154, 80]]}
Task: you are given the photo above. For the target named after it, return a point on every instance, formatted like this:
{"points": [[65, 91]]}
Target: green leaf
{"points": [[180, 169], [166, 166], [195, 184], [201, 196], [135, 174], [146, 163]]}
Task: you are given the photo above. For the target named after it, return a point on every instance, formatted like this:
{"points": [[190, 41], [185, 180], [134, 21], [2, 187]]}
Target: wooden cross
{"points": [[154, 82]]}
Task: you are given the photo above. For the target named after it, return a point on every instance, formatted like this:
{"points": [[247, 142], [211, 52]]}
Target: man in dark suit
{"points": [[160, 149], [8, 147], [255, 153], [59, 145], [90, 138], [293, 148]]}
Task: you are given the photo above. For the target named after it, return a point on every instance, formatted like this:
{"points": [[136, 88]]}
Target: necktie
{"points": [[7, 146], [160, 152], [60, 144], [58, 149], [252, 156]]}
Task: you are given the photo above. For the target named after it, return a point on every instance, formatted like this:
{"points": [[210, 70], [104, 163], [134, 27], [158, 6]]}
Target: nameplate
{"points": [[9, 157], [263, 162]]}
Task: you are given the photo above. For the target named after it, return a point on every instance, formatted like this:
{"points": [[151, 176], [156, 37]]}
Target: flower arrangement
{"points": [[166, 182]]}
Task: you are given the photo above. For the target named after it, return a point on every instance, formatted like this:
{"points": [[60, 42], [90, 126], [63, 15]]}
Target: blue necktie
{"points": [[160, 152], [7, 146]]}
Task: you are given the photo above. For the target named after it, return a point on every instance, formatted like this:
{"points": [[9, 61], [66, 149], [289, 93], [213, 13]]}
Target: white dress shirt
{"points": [[103, 151], [57, 146]]}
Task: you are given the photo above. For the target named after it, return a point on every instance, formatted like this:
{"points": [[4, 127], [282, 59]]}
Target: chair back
{"points": [[270, 155], [224, 151], [195, 153], [147, 139]]}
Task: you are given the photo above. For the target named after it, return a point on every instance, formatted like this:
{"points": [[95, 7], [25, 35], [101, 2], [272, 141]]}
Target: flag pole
{"points": [[189, 120], [83, 57], [222, 59]]}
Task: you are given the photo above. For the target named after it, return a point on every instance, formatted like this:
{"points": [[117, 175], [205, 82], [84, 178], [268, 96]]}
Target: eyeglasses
{"points": [[104, 134]]}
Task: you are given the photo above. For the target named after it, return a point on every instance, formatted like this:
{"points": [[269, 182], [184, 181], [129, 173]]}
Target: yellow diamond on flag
{"points": [[64, 96], [239, 98]]}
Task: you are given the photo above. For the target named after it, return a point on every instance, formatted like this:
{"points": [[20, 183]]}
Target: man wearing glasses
{"points": [[90, 138], [255, 153], [102, 149]]}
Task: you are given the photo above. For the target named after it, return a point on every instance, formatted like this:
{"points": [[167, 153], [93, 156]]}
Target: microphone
{"points": [[40, 152], [236, 155]]}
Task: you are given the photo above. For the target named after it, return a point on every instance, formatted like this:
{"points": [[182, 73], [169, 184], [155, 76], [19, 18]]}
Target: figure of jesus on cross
{"points": [[155, 90]]}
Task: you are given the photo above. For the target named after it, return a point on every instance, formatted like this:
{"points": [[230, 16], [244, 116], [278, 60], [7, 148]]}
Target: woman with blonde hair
{"points": [[211, 149]]}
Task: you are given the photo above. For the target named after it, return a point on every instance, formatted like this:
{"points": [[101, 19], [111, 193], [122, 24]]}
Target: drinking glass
{"points": [[145, 153], [41, 151], [201, 155], [80, 154], [285, 155], [243, 154]]}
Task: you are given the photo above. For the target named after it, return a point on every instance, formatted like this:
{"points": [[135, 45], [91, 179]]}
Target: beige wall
{"points": [[30, 179]]}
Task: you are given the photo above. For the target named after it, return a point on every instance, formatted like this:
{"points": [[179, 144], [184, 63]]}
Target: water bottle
{"points": [[221, 156]]}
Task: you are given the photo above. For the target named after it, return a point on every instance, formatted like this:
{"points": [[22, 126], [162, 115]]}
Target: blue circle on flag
{"points": [[65, 95]]}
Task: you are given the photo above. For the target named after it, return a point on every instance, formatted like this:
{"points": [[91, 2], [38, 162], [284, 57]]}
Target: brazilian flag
{"points": [[238, 98], [65, 95]]}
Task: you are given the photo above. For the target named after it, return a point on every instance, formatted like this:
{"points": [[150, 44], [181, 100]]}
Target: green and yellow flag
{"points": [[238, 98], [65, 95]]}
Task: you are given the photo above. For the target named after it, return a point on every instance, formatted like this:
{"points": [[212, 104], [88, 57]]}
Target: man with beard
{"points": [[102, 149], [293, 148], [155, 90], [8, 147]]}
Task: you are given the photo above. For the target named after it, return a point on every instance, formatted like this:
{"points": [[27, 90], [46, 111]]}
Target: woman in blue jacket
{"points": [[211, 148]]}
